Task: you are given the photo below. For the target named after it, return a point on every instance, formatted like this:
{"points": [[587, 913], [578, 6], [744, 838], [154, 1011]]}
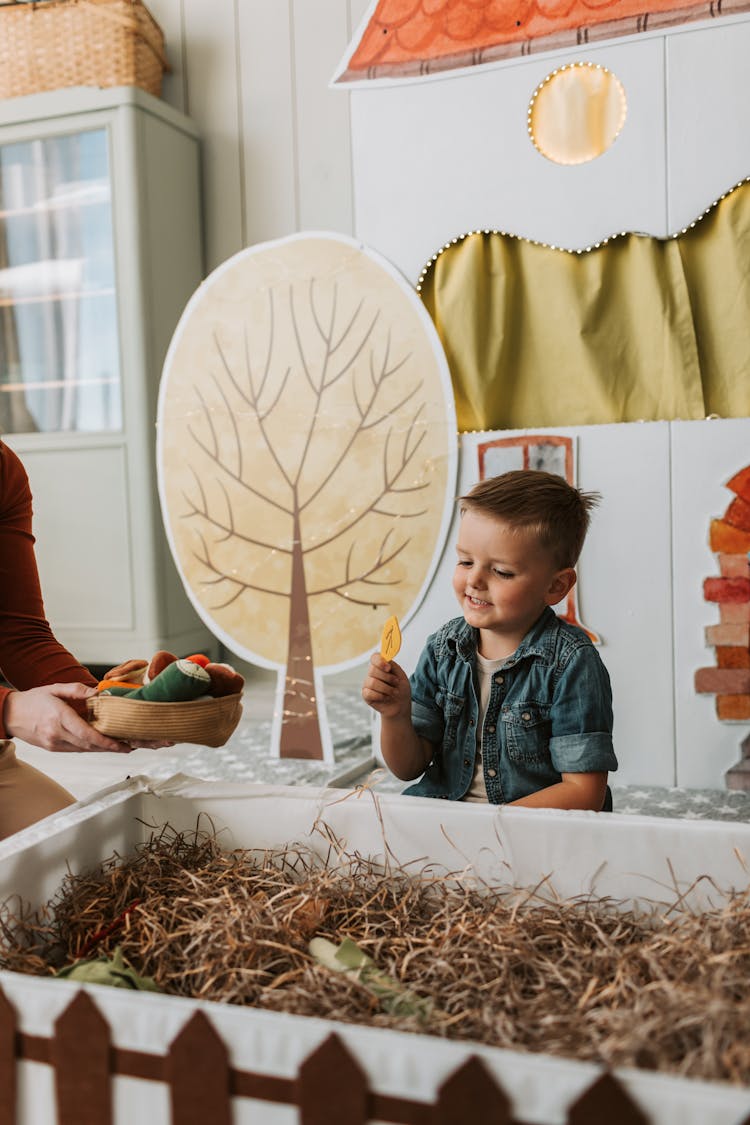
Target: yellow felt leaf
{"points": [[390, 642]]}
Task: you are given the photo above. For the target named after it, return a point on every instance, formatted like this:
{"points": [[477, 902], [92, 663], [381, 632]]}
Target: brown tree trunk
{"points": [[300, 729]]}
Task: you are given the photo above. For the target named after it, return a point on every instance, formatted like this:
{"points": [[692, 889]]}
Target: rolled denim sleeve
{"points": [[581, 716], [426, 716]]}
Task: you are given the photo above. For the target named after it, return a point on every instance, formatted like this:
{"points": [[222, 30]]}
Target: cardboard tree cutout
{"points": [[307, 457]]}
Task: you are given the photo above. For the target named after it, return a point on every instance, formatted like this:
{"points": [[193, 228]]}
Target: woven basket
{"points": [[55, 43], [207, 722]]}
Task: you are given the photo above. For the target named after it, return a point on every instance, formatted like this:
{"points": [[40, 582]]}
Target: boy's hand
{"points": [[386, 688]]}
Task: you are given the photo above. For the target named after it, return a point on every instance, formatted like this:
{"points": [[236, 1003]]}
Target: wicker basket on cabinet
{"points": [[47, 44]]}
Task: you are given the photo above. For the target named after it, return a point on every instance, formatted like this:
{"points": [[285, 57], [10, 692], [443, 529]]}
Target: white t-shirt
{"points": [[486, 669]]}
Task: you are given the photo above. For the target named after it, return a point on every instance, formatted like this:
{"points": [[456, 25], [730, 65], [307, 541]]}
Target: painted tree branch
{"points": [[252, 397], [238, 480], [364, 411], [230, 529], [222, 576], [388, 488], [366, 576]]}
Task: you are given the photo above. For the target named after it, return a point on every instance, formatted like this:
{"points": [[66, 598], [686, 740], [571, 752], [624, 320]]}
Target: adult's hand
{"points": [[45, 717]]}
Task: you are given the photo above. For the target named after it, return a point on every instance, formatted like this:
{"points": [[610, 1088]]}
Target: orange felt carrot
{"points": [[105, 685]]}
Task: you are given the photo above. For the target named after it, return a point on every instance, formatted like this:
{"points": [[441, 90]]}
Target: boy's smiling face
{"points": [[503, 580]]}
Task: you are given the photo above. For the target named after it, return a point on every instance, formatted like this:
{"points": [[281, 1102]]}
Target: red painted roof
{"points": [[412, 37]]}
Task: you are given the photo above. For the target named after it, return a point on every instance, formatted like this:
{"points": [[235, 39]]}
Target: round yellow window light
{"points": [[576, 113]]}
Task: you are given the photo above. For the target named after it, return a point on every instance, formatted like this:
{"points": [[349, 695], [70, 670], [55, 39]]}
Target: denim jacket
{"points": [[549, 712]]}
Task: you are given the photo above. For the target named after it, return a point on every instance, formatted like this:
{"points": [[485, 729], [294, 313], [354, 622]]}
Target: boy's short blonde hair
{"points": [[540, 502]]}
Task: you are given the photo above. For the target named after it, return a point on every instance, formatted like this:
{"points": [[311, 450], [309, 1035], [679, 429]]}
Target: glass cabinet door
{"points": [[59, 352]]}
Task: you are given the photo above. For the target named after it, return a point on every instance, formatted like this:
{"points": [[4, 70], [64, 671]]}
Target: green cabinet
{"points": [[100, 250]]}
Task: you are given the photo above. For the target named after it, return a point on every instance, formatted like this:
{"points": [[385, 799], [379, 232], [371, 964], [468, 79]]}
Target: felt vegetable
{"points": [[126, 678], [179, 681], [158, 663], [132, 671], [224, 679]]}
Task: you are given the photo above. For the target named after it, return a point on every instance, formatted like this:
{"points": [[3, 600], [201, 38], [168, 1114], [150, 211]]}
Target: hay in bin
{"points": [[667, 991]]}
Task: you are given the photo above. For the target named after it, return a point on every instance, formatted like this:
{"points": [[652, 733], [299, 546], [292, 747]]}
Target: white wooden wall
{"points": [[254, 75]]}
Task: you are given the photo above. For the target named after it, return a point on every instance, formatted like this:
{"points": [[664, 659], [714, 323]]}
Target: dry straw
{"points": [[662, 990]]}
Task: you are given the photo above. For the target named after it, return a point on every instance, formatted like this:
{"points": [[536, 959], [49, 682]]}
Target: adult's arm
{"points": [[30, 655]]}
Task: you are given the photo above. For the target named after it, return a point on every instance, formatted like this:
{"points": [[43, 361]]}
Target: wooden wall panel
{"points": [[168, 14], [211, 67], [322, 116], [270, 183], [254, 75]]}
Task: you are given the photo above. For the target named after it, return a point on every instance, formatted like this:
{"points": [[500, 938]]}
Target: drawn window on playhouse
{"points": [[577, 113]]}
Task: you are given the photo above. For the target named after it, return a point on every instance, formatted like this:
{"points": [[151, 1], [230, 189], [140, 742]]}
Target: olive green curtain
{"points": [[639, 328]]}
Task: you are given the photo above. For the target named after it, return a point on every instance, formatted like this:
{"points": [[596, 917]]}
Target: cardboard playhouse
{"points": [[93, 1053], [513, 163], [592, 301], [663, 581]]}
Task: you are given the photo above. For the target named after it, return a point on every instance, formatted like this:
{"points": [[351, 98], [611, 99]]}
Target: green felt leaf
{"points": [[349, 959], [111, 971]]}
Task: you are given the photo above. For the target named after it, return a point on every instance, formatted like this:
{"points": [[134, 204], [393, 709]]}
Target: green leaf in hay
{"points": [[111, 971], [349, 959]]}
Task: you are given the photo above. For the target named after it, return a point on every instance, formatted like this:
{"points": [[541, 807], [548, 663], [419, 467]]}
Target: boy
{"points": [[508, 704]]}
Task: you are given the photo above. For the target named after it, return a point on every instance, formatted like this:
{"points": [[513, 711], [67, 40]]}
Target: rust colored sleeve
{"points": [[30, 655]]}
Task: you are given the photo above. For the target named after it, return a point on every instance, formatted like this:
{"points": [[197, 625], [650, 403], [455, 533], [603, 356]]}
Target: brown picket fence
{"points": [[330, 1089]]}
